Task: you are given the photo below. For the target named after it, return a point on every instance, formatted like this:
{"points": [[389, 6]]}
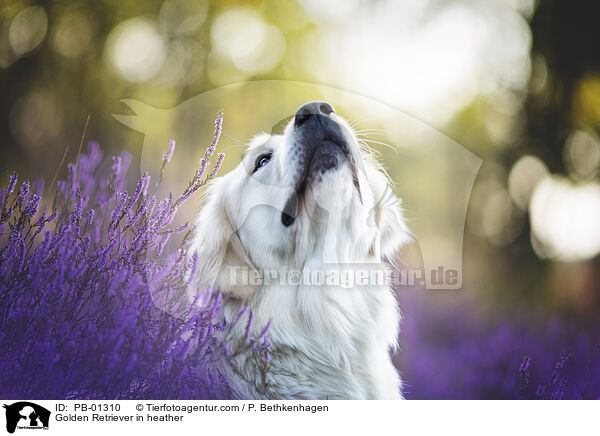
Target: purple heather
{"points": [[167, 157], [81, 291]]}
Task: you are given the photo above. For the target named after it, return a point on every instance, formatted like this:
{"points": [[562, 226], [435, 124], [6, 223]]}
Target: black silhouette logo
{"points": [[26, 415]]}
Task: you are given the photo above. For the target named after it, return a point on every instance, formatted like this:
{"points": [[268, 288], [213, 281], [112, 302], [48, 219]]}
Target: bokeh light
{"points": [[73, 33], [243, 37], [136, 49], [523, 178], [516, 83], [184, 64], [564, 219], [182, 16], [37, 118], [471, 71], [582, 154], [429, 61], [28, 29]]}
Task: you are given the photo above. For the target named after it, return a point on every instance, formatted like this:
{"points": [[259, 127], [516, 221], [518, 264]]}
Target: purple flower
{"points": [[82, 292], [142, 187], [524, 372], [23, 192], [197, 180], [201, 169], [167, 157], [116, 166], [454, 351], [2, 198], [220, 159], [38, 186], [89, 218], [12, 183], [217, 134], [32, 206]]}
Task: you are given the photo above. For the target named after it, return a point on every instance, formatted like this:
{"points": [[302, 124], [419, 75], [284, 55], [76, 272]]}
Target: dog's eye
{"points": [[262, 160]]}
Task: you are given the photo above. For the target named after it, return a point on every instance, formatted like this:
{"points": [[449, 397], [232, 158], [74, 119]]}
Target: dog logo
{"points": [[432, 173], [26, 415]]}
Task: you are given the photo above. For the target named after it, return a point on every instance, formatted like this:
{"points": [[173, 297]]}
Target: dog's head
{"points": [[309, 196]]}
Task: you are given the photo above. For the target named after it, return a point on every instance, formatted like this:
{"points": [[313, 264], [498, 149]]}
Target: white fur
{"points": [[327, 341]]}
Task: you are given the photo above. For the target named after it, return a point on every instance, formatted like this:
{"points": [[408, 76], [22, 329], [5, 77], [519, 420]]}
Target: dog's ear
{"points": [[221, 256], [387, 216]]}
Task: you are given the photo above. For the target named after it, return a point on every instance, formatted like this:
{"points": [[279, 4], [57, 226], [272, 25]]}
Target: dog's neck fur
{"points": [[327, 341]]}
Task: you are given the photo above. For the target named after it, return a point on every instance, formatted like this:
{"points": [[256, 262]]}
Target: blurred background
{"points": [[514, 82]]}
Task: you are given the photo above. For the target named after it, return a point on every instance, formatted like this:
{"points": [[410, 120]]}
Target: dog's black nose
{"points": [[311, 109]]}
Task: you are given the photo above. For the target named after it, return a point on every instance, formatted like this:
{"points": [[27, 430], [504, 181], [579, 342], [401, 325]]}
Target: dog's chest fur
{"points": [[327, 343]]}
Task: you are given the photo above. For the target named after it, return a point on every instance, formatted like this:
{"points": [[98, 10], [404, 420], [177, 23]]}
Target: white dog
{"points": [[308, 200]]}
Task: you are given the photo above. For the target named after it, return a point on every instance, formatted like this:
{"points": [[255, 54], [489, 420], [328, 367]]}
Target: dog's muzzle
{"points": [[319, 146]]}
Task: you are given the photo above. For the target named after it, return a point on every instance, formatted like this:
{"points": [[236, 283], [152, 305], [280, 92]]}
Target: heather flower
{"points": [[167, 157], [116, 166], [81, 290], [200, 171], [89, 218], [240, 315], [451, 351], [524, 372], [2, 198], [38, 186], [141, 188], [12, 183], [23, 192], [263, 339], [217, 134], [218, 164], [53, 216], [71, 176], [197, 181], [77, 206], [117, 212], [555, 388], [32, 206]]}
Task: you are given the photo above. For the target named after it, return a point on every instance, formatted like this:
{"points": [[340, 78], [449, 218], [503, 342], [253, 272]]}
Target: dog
{"points": [[311, 199]]}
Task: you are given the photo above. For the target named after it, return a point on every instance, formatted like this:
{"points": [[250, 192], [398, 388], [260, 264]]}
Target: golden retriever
{"points": [[309, 204]]}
